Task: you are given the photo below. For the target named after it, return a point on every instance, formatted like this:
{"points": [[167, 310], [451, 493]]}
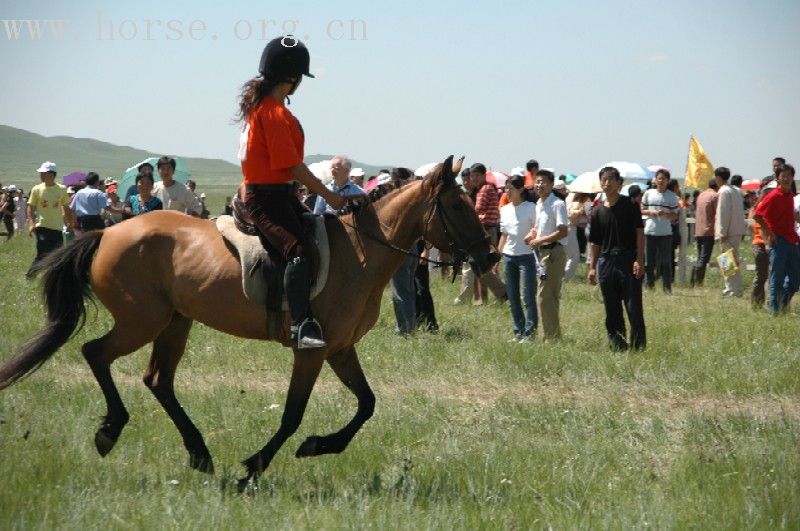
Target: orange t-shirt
{"points": [[271, 143], [504, 200], [758, 239]]}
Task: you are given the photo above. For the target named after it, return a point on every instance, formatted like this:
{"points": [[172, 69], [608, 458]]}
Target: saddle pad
{"points": [[252, 255]]}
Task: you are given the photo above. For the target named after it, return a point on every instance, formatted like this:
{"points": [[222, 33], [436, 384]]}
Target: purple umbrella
{"points": [[74, 178]]}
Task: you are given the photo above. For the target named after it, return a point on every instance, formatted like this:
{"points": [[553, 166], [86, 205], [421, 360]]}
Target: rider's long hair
{"points": [[254, 91]]}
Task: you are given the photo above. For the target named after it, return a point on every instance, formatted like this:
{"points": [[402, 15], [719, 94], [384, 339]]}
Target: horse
{"points": [[158, 273]]}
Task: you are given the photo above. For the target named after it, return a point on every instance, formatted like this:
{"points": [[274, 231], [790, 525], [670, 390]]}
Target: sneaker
{"points": [[308, 335], [524, 339], [516, 339]]}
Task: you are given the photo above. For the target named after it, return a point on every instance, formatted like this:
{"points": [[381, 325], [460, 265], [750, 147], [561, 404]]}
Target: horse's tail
{"points": [[65, 285]]}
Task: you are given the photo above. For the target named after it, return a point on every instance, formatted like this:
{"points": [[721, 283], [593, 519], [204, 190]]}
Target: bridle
{"points": [[461, 253]]}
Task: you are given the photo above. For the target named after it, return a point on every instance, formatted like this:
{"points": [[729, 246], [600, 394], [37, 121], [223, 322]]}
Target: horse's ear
{"points": [[457, 166], [448, 178]]}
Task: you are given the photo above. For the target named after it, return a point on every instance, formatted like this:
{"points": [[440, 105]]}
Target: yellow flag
{"points": [[698, 168]]}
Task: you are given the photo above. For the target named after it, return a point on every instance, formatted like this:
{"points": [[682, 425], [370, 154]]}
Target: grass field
{"points": [[700, 430]]}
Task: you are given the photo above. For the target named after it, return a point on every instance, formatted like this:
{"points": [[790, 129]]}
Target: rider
{"points": [[271, 151]]}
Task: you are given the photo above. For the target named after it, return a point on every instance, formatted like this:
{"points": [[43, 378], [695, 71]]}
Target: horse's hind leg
{"points": [[168, 348], [100, 353], [347, 367]]}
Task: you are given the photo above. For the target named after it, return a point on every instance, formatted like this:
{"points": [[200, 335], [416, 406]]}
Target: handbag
{"points": [[727, 263]]}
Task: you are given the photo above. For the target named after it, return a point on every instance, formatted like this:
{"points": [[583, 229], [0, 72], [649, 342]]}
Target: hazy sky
{"points": [[571, 83]]}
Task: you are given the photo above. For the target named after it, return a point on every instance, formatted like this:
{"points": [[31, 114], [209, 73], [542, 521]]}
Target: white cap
{"points": [[47, 167], [202, 195], [384, 178], [518, 170], [357, 172], [12, 188], [70, 190], [560, 185], [109, 181]]}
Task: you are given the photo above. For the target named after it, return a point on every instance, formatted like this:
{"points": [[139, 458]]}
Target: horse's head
{"points": [[453, 224]]}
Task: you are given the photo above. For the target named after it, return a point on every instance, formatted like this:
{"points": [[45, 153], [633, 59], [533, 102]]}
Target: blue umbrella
{"points": [[128, 179]]}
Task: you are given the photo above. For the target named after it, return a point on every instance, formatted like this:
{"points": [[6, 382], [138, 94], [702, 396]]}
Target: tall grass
{"points": [[701, 429]]}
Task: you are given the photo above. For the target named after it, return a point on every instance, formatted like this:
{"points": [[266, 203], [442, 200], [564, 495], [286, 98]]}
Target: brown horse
{"points": [[159, 272]]}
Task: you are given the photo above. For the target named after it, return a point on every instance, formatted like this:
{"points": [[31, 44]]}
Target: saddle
{"points": [[262, 274]]}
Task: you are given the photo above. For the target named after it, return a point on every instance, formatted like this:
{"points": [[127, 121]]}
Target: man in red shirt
{"points": [[775, 214]]}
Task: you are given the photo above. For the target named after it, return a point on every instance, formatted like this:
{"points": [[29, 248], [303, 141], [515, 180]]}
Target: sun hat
{"points": [[47, 167]]}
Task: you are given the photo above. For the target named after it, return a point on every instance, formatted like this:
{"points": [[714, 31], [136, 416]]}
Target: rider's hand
{"points": [[337, 202]]}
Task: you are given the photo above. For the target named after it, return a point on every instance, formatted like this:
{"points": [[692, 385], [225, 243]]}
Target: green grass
{"points": [[700, 430]]}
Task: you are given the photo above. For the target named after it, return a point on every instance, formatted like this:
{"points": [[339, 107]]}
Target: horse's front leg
{"points": [[307, 365], [347, 367]]}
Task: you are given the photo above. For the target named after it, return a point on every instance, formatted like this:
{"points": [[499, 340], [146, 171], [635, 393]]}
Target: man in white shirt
{"points": [[729, 226], [549, 238], [174, 195]]}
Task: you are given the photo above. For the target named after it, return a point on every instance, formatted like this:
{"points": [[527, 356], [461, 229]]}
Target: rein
{"points": [[460, 254]]}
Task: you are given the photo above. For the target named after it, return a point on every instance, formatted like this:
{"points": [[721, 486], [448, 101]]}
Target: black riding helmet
{"points": [[285, 56]]}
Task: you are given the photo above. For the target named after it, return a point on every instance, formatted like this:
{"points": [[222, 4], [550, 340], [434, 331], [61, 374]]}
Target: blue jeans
{"points": [[404, 294], [520, 273], [784, 274]]}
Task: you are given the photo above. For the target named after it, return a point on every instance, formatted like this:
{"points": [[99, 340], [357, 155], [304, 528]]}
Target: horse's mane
{"points": [[377, 193]]}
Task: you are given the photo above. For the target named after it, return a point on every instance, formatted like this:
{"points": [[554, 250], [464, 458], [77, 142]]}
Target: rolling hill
{"points": [[22, 151]]}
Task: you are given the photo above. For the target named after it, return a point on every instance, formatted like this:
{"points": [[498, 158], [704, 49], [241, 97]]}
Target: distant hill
{"points": [[22, 151]]}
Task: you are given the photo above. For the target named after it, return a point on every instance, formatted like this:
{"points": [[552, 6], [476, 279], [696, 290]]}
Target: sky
{"points": [[573, 84]]}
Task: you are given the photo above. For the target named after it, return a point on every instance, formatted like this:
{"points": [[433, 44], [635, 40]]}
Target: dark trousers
{"points": [[581, 234], [426, 314], [87, 223], [619, 287], [705, 247], [8, 221], [761, 258], [277, 215], [658, 253], [47, 240]]}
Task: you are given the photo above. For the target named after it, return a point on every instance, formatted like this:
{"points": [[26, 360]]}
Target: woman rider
{"points": [[271, 151]]}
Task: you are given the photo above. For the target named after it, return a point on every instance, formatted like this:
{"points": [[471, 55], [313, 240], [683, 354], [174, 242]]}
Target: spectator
{"points": [[403, 284], [776, 217], [144, 201], [675, 188], [88, 205], [777, 164], [20, 211], [115, 208], [531, 168], [48, 212], [8, 209], [705, 215], [504, 199], [341, 184], [574, 214], [144, 167], [617, 238], [517, 220], [468, 280], [661, 208], [760, 257], [425, 311], [729, 227], [486, 206], [548, 237], [172, 194], [357, 176]]}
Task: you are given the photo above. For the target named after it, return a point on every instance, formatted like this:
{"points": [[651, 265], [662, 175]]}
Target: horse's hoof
{"points": [[202, 464], [249, 482], [103, 442], [310, 447]]}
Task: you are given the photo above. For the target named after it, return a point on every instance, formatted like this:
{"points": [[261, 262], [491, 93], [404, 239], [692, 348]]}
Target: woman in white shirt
{"points": [[517, 218]]}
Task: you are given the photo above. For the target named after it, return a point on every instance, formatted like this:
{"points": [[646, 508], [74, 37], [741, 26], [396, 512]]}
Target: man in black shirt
{"points": [[617, 258]]}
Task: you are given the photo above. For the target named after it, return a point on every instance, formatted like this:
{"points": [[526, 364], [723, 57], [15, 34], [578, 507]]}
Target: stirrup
{"points": [[308, 335]]}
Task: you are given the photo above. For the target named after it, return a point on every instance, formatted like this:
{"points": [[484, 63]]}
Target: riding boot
{"points": [[306, 331]]}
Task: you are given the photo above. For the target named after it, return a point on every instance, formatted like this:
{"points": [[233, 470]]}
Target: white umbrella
{"points": [[322, 170], [586, 183], [425, 169], [631, 170]]}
